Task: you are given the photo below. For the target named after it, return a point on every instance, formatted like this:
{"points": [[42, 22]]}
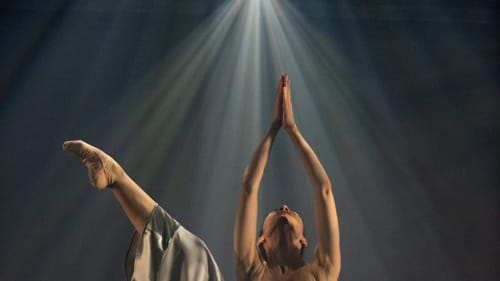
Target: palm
{"points": [[288, 118], [278, 104]]}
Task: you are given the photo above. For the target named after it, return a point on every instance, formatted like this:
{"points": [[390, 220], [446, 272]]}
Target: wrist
{"points": [[275, 126], [118, 176], [291, 128]]}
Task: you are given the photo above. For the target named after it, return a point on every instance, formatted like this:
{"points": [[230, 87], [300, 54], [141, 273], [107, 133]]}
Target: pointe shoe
{"points": [[103, 170]]}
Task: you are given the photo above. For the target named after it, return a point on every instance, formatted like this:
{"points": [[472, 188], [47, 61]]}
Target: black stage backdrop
{"points": [[416, 178]]}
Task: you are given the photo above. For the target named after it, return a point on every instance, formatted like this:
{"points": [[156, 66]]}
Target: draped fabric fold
{"points": [[166, 251]]}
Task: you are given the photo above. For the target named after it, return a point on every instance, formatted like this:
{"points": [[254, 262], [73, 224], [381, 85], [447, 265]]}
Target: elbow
{"points": [[325, 189], [248, 185], [248, 189], [246, 182]]}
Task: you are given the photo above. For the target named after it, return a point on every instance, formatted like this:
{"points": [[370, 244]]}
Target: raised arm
{"points": [[245, 228], [327, 227]]}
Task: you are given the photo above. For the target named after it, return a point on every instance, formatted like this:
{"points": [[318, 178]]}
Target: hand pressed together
{"points": [[283, 110]]}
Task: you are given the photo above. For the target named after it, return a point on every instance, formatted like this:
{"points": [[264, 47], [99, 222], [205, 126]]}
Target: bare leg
{"points": [[104, 172]]}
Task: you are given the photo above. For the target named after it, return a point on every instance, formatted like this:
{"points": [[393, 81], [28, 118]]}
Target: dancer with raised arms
{"points": [[277, 253]]}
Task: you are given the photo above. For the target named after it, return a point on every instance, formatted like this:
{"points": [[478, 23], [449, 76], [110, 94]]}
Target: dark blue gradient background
{"points": [[417, 193]]}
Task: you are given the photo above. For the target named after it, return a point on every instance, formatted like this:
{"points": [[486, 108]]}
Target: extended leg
{"points": [[104, 172]]}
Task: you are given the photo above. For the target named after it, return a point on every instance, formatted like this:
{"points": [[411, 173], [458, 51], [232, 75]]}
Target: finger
{"points": [[280, 84]]}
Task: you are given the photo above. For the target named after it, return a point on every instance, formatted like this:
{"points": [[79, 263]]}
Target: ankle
{"points": [[119, 176]]}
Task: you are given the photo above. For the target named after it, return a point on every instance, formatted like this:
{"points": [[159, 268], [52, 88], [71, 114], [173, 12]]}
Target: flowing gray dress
{"points": [[168, 252]]}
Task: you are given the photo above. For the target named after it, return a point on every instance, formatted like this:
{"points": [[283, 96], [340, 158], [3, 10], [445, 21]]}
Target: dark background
{"points": [[423, 198]]}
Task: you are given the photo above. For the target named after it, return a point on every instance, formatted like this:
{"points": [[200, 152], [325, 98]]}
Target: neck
{"points": [[285, 262], [284, 265], [283, 251], [285, 256]]}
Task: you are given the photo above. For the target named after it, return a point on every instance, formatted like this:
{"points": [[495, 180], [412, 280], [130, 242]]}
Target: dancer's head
{"points": [[282, 231]]}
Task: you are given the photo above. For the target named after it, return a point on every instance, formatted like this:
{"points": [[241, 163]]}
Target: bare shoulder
{"points": [[249, 270]]}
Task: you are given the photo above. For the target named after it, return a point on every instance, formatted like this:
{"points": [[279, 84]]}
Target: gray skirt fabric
{"points": [[166, 251]]}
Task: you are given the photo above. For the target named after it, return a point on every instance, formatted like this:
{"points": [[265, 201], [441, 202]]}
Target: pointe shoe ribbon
{"points": [[102, 169]]}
